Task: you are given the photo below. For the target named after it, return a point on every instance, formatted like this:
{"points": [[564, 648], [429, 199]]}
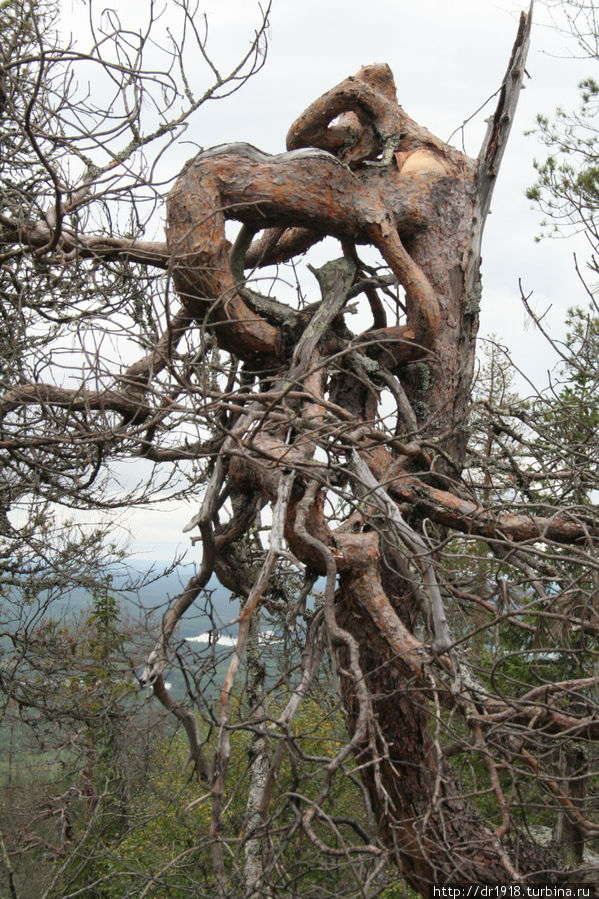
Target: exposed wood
{"points": [[293, 410], [359, 169]]}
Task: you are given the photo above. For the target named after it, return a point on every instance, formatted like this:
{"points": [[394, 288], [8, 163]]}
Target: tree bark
{"points": [[359, 169]]}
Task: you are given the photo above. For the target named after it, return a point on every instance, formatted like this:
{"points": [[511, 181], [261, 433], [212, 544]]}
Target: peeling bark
{"points": [[360, 169]]}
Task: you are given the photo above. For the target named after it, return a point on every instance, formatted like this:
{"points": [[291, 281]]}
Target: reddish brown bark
{"points": [[361, 170], [387, 207], [296, 412]]}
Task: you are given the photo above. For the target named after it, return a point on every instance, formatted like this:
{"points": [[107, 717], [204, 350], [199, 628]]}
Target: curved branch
{"points": [[470, 517], [308, 187], [77, 400]]}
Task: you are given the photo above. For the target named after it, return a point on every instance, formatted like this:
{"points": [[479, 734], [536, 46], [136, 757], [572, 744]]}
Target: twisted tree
{"points": [[361, 170], [359, 444]]}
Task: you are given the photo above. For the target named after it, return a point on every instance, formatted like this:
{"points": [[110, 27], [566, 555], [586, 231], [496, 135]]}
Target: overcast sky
{"points": [[448, 57]]}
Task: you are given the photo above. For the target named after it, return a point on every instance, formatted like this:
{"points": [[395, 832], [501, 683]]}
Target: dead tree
{"points": [[361, 170], [358, 442]]}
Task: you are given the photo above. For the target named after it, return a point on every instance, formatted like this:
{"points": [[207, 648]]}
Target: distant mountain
{"points": [[143, 592], [213, 608]]}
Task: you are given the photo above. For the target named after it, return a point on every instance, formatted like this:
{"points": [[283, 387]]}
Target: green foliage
{"points": [[166, 846], [567, 185]]}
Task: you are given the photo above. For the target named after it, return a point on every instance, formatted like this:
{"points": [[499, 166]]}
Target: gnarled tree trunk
{"points": [[359, 169]]}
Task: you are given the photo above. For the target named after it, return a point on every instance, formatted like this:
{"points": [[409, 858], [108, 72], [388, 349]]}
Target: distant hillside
{"points": [[214, 607], [142, 593]]}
